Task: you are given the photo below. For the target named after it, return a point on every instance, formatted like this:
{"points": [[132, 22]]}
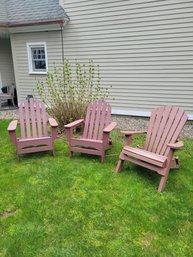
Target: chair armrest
{"points": [[110, 127], [12, 125], [176, 145], [52, 122], [73, 124], [12, 131], [130, 133]]}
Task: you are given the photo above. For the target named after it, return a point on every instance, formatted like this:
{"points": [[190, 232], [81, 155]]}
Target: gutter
{"points": [[61, 22]]}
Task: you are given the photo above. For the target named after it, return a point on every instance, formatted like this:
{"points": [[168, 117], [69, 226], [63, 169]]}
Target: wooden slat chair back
{"points": [[98, 116], [33, 126], [97, 127], [166, 123], [33, 120]]}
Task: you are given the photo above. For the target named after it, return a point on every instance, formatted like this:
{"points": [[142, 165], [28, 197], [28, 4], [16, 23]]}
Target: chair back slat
{"points": [[92, 120], [165, 125], [175, 130], [27, 120], [44, 120], [33, 118], [39, 123], [87, 119], [33, 121], [150, 128], [159, 139], [155, 128], [21, 120], [108, 115], [98, 116], [170, 118], [102, 120], [97, 121]]}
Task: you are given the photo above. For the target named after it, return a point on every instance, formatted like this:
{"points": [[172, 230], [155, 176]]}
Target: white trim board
{"points": [[138, 113], [29, 54], [36, 28]]}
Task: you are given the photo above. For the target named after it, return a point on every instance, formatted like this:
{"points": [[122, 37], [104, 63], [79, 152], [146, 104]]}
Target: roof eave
{"points": [[61, 22]]}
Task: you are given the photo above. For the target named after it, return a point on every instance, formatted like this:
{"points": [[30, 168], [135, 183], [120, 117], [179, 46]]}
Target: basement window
{"points": [[37, 58]]}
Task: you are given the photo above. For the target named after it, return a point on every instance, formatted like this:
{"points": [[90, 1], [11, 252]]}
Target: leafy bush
{"points": [[67, 91]]}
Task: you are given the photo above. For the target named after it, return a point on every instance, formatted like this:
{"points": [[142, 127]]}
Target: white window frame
{"points": [[29, 54]]}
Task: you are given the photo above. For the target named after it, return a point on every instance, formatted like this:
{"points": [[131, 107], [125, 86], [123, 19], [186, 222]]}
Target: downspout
{"points": [[62, 43]]}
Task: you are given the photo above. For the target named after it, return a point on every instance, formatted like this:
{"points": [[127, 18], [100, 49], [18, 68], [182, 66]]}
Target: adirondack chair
{"points": [[33, 125], [165, 125], [97, 127]]}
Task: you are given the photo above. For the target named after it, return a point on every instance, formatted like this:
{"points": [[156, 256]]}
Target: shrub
{"points": [[67, 91]]}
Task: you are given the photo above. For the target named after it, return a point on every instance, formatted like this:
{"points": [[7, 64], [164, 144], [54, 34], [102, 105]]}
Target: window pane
{"points": [[39, 65], [38, 58]]}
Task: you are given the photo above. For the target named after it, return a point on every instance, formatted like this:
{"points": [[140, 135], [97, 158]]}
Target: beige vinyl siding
{"points": [[6, 62], [26, 82], [144, 49], [3, 13]]}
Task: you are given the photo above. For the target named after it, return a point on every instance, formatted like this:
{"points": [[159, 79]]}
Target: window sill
{"points": [[38, 73]]}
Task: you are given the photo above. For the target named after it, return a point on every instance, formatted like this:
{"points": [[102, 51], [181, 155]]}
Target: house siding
{"points": [[144, 49], [3, 13], [26, 83], [6, 63]]}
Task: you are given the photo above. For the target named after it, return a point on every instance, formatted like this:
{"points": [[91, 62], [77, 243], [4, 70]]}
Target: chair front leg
{"points": [[54, 133], [120, 163], [165, 173], [128, 139], [105, 140], [69, 133], [13, 137]]}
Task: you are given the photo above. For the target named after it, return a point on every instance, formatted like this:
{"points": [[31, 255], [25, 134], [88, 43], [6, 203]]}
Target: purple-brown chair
{"points": [[165, 125], [97, 127], [33, 126]]}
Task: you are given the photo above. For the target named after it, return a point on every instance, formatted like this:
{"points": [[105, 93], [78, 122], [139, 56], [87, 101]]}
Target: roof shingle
{"points": [[26, 11]]}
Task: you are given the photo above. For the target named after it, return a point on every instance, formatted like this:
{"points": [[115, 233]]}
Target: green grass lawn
{"points": [[81, 208]]}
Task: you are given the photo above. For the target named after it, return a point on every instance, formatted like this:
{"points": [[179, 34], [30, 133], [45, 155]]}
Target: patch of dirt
{"points": [[7, 214]]}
